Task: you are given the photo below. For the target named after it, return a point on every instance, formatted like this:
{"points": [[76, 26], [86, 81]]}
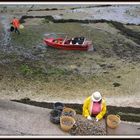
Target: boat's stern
{"points": [[89, 44], [90, 47]]}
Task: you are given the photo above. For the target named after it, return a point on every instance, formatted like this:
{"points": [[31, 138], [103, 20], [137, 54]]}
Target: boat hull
{"points": [[49, 42]]}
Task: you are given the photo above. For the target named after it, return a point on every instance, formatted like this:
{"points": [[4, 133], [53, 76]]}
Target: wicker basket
{"points": [[66, 123], [113, 121], [68, 112]]}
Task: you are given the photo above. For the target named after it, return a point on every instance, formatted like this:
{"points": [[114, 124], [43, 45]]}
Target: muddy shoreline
{"points": [[126, 113]]}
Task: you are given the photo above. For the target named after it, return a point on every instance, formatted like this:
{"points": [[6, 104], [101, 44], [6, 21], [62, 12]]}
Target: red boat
{"points": [[77, 43]]}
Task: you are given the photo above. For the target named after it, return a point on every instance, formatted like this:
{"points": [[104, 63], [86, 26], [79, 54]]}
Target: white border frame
{"points": [[67, 3]]}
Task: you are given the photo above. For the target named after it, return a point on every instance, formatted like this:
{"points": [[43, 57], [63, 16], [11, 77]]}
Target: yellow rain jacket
{"points": [[87, 108]]}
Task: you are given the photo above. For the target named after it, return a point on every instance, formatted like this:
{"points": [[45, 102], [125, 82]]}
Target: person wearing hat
{"points": [[94, 106]]}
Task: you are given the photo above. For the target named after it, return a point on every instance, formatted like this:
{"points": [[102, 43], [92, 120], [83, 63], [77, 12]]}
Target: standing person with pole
{"points": [[16, 25]]}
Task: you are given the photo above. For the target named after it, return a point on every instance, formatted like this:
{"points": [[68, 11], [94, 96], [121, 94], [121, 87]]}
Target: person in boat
{"points": [[94, 107], [15, 22]]}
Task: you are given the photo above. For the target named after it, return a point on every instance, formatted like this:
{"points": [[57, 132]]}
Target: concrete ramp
{"points": [[20, 119], [126, 129]]}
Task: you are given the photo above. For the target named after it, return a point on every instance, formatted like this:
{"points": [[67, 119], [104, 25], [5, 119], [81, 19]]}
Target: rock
{"points": [[116, 84], [1, 77], [25, 99], [106, 72], [119, 76], [110, 66], [102, 65]]}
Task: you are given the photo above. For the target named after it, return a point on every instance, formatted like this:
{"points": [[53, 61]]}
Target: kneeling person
{"points": [[94, 106]]}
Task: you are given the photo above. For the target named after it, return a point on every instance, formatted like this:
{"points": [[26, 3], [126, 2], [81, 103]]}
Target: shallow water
{"points": [[121, 13], [6, 34]]}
